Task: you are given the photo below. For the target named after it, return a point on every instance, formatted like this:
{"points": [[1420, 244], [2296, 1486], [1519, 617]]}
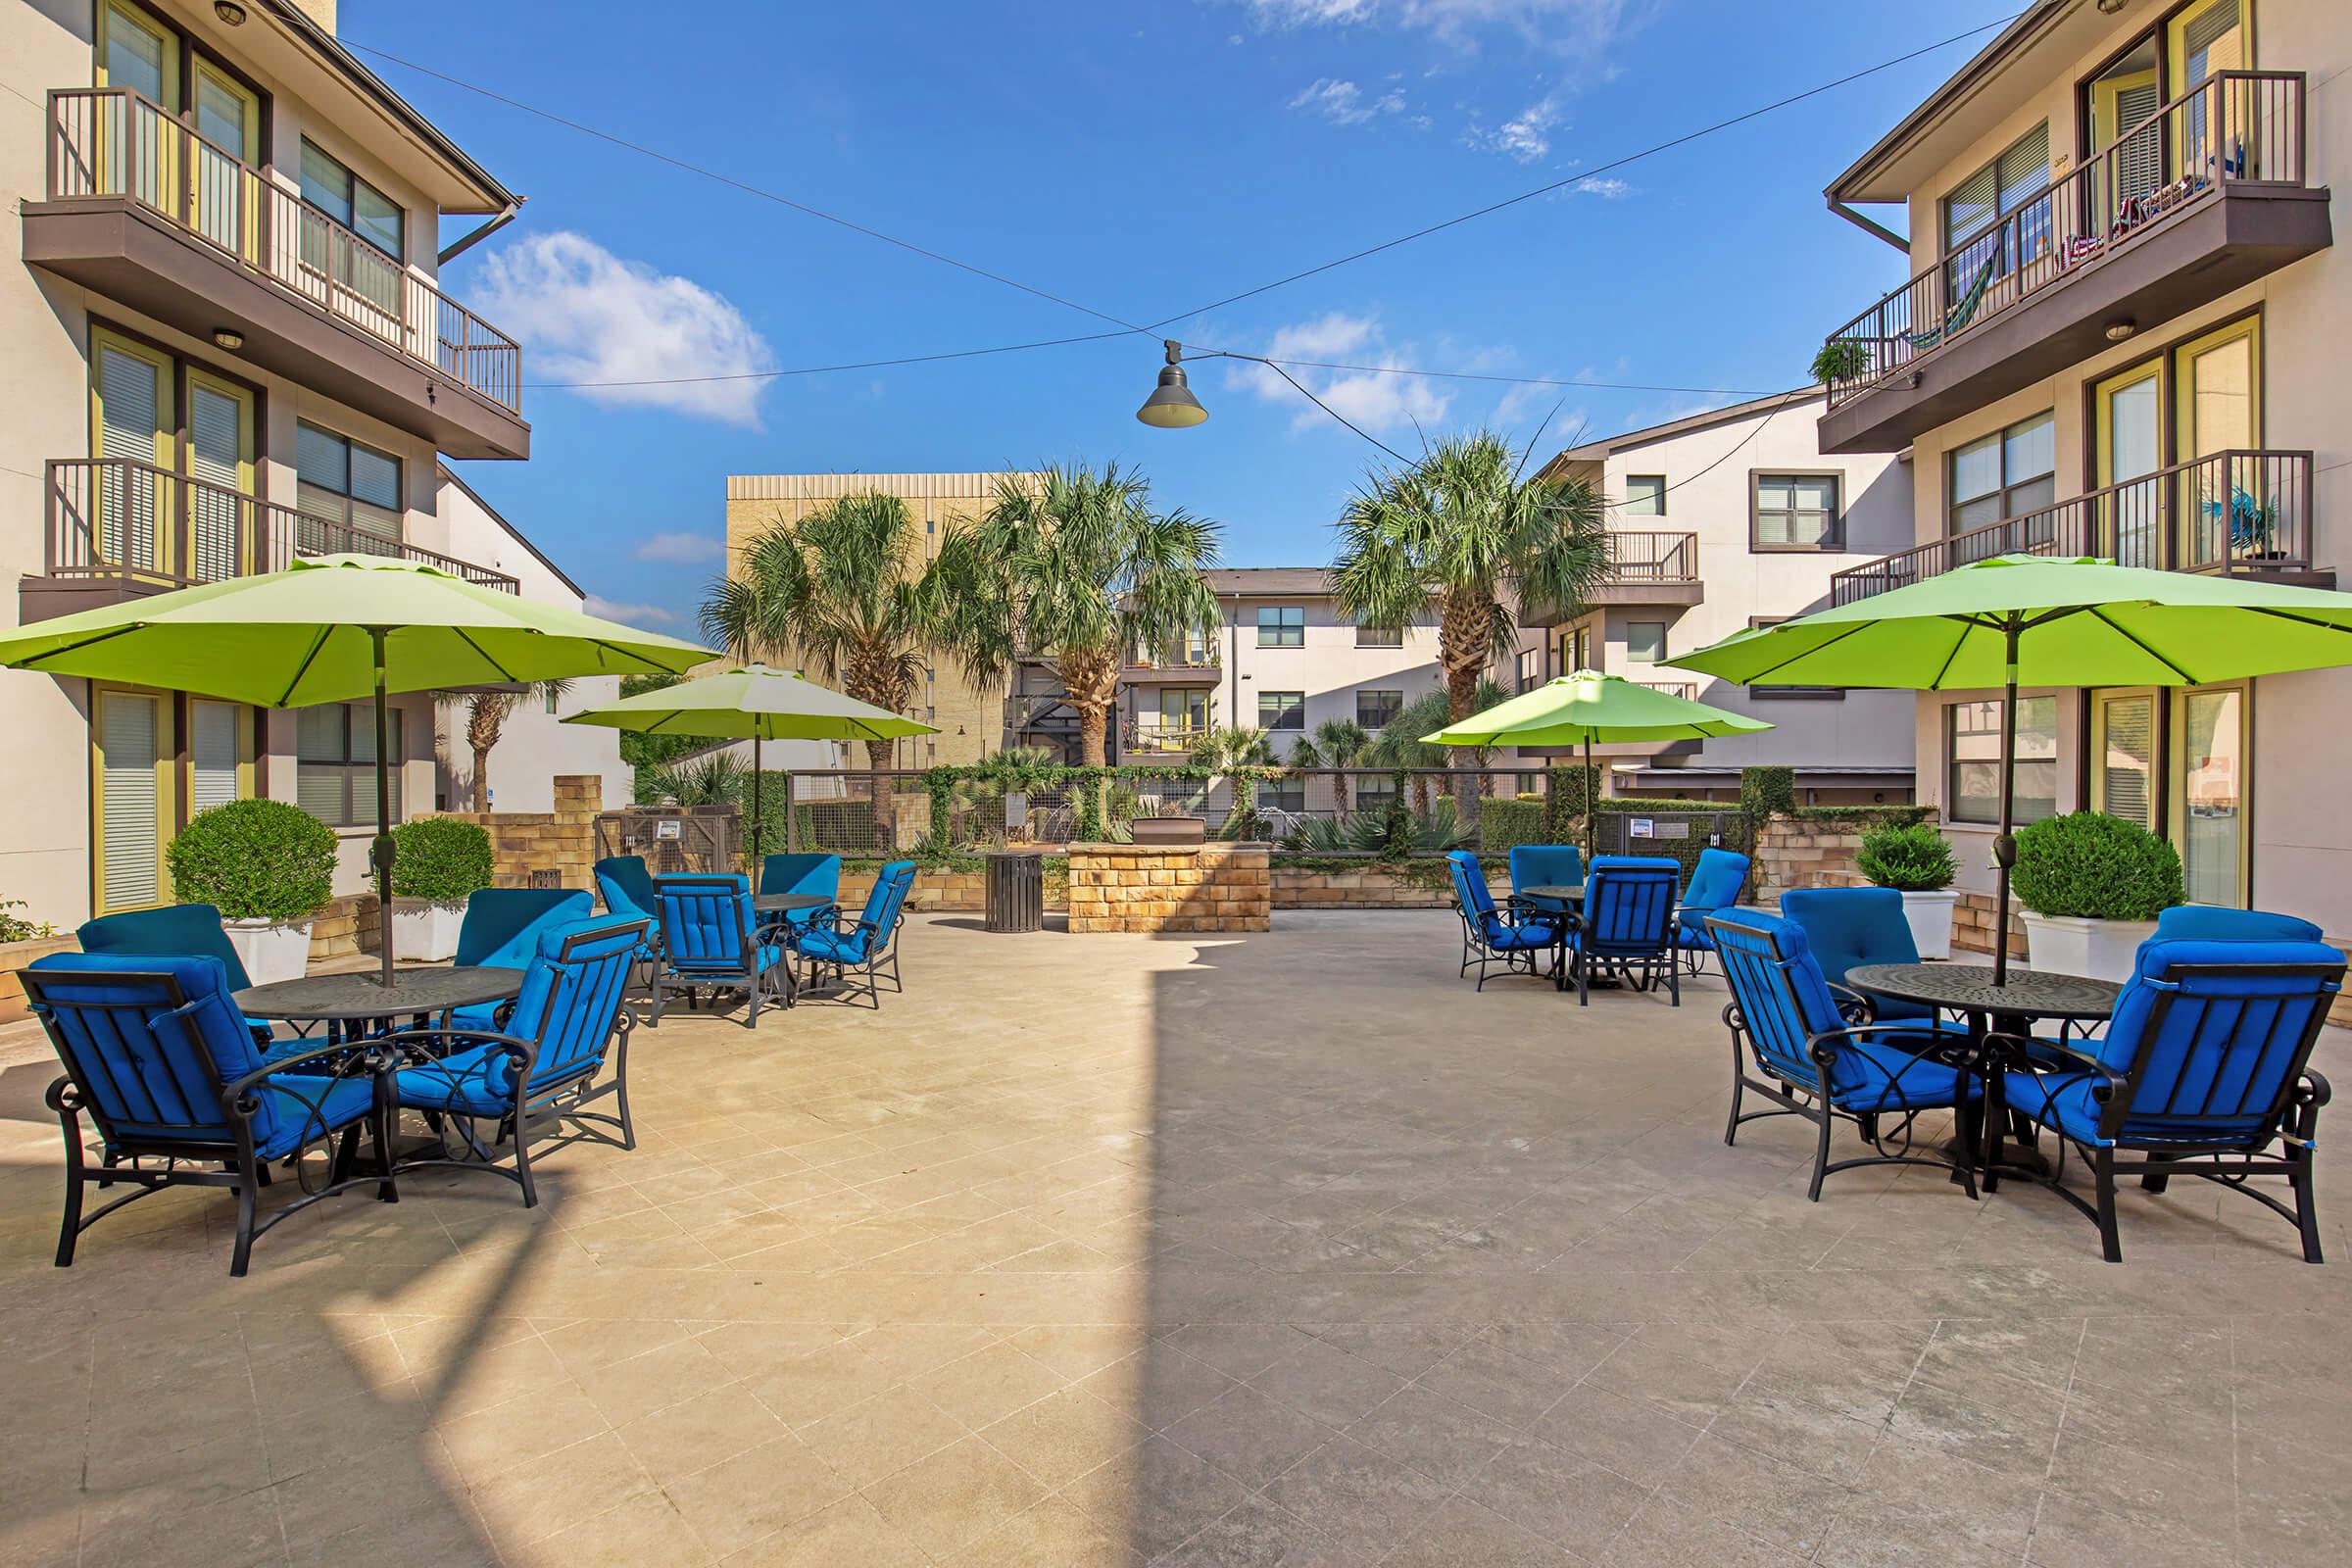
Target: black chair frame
{"points": [[2291, 1120], [1515, 912], [243, 1172], [1638, 969]]}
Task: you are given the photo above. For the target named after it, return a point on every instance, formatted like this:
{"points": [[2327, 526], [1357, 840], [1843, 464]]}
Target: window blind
{"points": [[2126, 763], [130, 802]]}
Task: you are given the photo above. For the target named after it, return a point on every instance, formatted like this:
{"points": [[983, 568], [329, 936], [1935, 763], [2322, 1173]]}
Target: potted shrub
{"points": [[1914, 859], [1841, 358], [268, 867], [2093, 886], [437, 862]]}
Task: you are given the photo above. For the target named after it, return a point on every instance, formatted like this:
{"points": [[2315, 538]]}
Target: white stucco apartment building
{"points": [[224, 342], [1720, 521]]}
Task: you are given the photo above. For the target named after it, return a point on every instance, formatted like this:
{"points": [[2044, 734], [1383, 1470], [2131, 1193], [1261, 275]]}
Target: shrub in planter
{"points": [[437, 863], [1913, 859], [268, 867], [1841, 358], [2093, 886]]}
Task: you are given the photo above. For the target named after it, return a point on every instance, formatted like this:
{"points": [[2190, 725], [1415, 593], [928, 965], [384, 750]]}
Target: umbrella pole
{"points": [[2004, 843], [381, 851], [751, 859], [1592, 805]]}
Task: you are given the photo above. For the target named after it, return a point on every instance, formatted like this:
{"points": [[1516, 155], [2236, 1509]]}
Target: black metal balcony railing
{"points": [[135, 522], [2234, 512], [1686, 690], [108, 141], [1653, 556], [2236, 128]]}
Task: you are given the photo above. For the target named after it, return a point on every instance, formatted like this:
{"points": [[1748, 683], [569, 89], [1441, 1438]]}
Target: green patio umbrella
{"points": [[339, 628], [2042, 621], [1589, 707], [758, 704]]}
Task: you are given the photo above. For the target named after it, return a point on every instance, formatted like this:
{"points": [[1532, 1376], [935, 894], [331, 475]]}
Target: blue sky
{"points": [[1143, 159]]}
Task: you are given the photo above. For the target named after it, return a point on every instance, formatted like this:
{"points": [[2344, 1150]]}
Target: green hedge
{"points": [[1768, 791], [2091, 865], [1504, 824], [1908, 857], [441, 860], [255, 860]]}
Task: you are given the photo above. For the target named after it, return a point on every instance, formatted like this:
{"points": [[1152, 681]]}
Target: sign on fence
{"points": [[1639, 827]]}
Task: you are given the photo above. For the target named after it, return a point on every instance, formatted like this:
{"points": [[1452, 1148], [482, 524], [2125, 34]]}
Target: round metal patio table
{"points": [[1968, 990], [343, 1000], [790, 902], [1563, 893]]}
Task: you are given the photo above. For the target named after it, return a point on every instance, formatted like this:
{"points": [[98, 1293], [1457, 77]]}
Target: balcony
{"points": [[1191, 668], [1652, 566], [141, 209], [2204, 196], [2243, 514], [118, 531], [1151, 738]]}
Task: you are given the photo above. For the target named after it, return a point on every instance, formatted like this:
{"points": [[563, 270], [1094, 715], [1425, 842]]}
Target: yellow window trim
{"points": [[2177, 777], [2184, 387], [167, 797]]}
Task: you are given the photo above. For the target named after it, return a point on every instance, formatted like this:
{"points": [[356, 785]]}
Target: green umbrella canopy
{"points": [[1592, 709], [292, 638], [755, 703], [2079, 622]]}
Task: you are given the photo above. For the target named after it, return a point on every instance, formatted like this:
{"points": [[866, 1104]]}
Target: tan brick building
{"points": [[971, 723]]}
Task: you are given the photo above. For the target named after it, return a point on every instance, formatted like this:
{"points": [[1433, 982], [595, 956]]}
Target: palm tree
{"points": [[846, 589], [1229, 750], [1399, 744], [1461, 535], [1075, 568], [1337, 744], [486, 714]]}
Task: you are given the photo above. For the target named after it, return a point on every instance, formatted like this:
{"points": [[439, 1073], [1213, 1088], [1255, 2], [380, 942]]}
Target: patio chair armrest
{"points": [[371, 1047], [2314, 1091], [2021, 1051], [1950, 1051], [1852, 1004], [410, 1042]]}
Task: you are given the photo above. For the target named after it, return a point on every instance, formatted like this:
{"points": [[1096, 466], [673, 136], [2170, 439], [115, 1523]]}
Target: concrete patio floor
{"points": [[1282, 1249]]}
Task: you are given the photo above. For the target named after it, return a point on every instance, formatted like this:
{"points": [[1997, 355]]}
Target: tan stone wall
{"points": [[1973, 923], [971, 723], [347, 925], [562, 840], [1154, 888], [1372, 888]]}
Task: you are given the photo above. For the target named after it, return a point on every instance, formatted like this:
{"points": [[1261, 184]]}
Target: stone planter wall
{"points": [[1792, 854], [1163, 887], [1974, 923], [532, 844], [14, 955], [347, 925], [1372, 888], [933, 893]]}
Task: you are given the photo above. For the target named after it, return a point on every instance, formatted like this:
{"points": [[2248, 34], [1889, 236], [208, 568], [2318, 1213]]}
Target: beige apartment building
{"points": [[225, 344], [2125, 335], [1721, 522], [971, 723]]}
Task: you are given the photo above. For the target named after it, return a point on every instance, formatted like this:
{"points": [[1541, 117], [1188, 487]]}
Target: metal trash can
{"points": [[1015, 892]]}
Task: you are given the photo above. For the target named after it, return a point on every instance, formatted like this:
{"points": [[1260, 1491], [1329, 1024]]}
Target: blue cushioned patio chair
{"points": [[2203, 1071], [864, 945], [1545, 865], [502, 930], [2210, 923], [1809, 1059], [542, 1070], [816, 874], [170, 932], [167, 1070], [711, 939], [626, 887], [1513, 934], [1716, 883], [1625, 928], [1848, 927]]}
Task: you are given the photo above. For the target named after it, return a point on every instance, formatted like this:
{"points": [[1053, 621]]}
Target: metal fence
{"points": [[675, 840]]}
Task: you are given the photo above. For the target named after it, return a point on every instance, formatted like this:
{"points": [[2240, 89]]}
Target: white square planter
{"points": [[425, 931], [2066, 944], [271, 950], [1929, 915]]}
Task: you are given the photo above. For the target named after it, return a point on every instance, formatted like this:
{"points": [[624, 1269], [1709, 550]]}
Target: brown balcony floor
{"points": [[1114, 1250]]}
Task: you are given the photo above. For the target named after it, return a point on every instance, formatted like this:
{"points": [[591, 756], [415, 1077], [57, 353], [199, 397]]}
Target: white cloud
{"points": [[1608, 189], [1376, 401], [682, 549], [1343, 103], [1524, 137], [585, 315], [1309, 12], [1568, 26], [629, 615]]}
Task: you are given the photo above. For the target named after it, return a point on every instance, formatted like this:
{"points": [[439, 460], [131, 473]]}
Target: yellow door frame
{"points": [[165, 453], [248, 459], [2176, 815], [111, 13], [167, 781], [245, 215]]}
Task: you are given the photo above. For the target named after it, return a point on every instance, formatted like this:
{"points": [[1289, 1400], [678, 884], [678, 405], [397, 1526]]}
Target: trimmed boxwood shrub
{"points": [[2091, 865], [440, 859], [254, 860], [1503, 825], [1909, 856]]}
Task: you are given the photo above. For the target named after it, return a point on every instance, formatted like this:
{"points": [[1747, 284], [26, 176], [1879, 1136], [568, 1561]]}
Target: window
{"points": [[1997, 221], [1645, 495], [1971, 749], [1645, 641], [348, 483], [2209, 783], [334, 763], [1818, 694], [372, 270], [1280, 626], [2122, 751], [1375, 709], [1282, 795], [1794, 512], [1281, 711], [2011, 473], [1371, 792], [1380, 636]]}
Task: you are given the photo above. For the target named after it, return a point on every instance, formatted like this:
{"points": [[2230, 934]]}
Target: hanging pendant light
{"points": [[1171, 405]]}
